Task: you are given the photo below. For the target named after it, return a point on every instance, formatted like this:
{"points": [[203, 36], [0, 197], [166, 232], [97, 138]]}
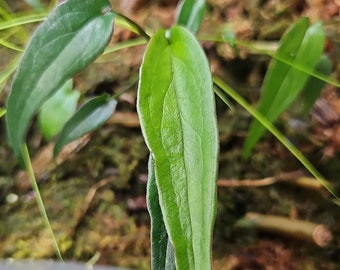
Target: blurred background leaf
{"points": [[58, 110]]}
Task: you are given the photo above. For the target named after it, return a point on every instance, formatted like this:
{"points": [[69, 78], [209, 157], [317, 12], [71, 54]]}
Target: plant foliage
{"points": [[175, 104], [57, 110], [301, 45], [71, 38], [177, 114]]}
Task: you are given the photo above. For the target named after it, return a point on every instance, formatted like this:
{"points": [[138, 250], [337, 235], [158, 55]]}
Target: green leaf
{"points": [[70, 38], [159, 237], [89, 117], [269, 126], [301, 45], [176, 107], [57, 110], [191, 14], [313, 87]]}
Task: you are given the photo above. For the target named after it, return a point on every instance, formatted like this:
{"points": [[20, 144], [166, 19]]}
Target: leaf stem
{"points": [[129, 24], [31, 18], [31, 176], [271, 53], [263, 120]]}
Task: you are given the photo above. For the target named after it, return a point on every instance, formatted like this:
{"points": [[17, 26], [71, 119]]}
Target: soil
{"points": [[95, 193]]}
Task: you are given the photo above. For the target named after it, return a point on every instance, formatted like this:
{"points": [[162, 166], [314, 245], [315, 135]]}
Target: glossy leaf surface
{"points": [[191, 14], [302, 45], [73, 35], [89, 117], [176, 107], [57, 110]]}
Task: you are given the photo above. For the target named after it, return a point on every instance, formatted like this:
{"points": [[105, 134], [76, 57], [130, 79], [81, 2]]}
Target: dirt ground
{"points": [[95, 193]]}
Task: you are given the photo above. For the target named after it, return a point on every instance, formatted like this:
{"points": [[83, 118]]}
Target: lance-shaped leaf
{"points": [[70, 38], [89, 117], [177, 113], [302, 47]]}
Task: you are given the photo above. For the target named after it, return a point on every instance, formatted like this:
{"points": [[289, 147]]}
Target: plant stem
{"points": [[123, 45], [251, 47], [299, 229], [32, 18], [28, 166], [270, 127], [129, 24]]}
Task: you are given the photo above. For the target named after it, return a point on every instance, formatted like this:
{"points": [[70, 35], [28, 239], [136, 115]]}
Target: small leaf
{"points": [[70, 38], [57, 110], [191, 14], [301, 45], [89, 117], [176, 108]]}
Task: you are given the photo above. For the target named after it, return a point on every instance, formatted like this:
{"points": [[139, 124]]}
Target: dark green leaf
{"points": [[70, 38], [301, 45], [159, 236], [89, 117], [57, 110], [313, 87], [177, 113], [191, 14]]}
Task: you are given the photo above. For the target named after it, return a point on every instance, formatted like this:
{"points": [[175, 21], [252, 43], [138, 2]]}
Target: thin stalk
{"points": [[28, 166], [7, 15], [129, 24], [120, 46], [289, 63], [32, 18], [8, 71], [10, 45], [255, 48], [270, 127], [222, 96]]}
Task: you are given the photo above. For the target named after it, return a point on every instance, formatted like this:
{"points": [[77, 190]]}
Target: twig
{"points": [[295, 177], [305, 230], [80, 213]]}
